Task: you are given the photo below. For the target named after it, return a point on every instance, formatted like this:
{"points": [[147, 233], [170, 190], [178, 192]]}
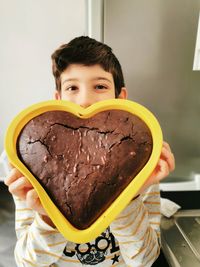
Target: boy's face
{"points": [[86, 85]]}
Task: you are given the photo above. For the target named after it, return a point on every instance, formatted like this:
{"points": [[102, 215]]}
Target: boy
{"points": [[86, 71]]}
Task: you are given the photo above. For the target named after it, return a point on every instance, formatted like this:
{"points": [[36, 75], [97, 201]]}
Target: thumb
{"points": [[33, 202]]}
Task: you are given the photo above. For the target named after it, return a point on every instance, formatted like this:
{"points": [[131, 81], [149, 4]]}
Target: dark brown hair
{"points": [[87, 51]]}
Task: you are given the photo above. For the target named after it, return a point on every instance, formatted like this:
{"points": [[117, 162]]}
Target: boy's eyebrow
{"points": [[94, 79], [70, 80], [102, 78]]}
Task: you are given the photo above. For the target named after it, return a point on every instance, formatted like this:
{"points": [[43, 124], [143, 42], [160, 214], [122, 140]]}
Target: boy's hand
{"points": [[20, 186], [166, 164]]}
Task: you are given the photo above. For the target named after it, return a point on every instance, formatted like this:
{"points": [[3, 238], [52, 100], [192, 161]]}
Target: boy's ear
{"points": [[57, 95], [123, 94]]}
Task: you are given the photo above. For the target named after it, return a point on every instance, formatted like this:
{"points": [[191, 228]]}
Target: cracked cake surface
{"points": [[84, 164]]}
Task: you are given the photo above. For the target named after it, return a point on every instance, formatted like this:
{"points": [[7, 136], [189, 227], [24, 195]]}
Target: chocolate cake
{"points": [[84, 164]]}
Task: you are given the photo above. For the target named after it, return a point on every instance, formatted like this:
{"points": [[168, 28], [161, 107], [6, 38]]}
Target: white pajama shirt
{"points": [[132, 239]]}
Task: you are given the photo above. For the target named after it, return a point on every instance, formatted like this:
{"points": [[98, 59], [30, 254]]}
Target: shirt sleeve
{"points": [[151, 200], [137, 229], [38, 244]]}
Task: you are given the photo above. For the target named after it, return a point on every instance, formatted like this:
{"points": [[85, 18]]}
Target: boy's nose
{"points": [[86, 99], [85, 104]]}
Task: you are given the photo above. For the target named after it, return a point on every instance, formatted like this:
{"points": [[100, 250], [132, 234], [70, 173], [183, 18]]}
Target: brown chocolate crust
{"points": [[84, 164]]}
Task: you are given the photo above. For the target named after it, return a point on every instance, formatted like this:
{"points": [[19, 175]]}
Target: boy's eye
{"points": [[100, 86], [71, 88]]}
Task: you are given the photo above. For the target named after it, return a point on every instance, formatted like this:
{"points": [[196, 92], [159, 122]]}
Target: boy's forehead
{"points": [[96, 72]]}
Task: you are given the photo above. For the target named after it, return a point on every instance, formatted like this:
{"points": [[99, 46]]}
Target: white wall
{"points": [[30, 30]]}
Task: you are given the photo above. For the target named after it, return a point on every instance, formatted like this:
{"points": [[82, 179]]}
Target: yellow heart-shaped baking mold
{"points": [[66, 229]]}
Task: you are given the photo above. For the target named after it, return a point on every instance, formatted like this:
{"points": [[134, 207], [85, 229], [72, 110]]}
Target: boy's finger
{"points": [[33, 202], [20, 186], [167, 146], [160, 172], [164, 170], [12, 176], [168, 156], [32, 197]]}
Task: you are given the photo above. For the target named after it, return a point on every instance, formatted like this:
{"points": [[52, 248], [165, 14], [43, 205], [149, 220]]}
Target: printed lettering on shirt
{"points": [[95, 252]]}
